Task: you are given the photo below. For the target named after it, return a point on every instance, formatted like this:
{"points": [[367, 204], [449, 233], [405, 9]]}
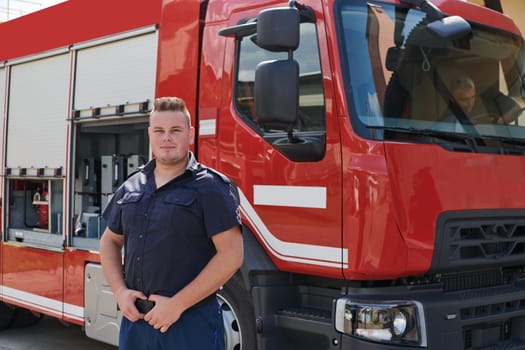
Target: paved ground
{"points": [[49, 334]]}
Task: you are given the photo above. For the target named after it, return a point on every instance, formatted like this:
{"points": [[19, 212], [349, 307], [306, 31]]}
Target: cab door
{"points": [[290, 192]]}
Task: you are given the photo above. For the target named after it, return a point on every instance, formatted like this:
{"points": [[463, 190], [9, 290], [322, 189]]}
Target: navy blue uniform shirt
{"points": [[167, 231]]}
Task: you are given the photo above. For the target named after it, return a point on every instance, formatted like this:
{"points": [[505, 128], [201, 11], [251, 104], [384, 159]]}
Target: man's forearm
{"points": [[111, 259], [217, 272]]}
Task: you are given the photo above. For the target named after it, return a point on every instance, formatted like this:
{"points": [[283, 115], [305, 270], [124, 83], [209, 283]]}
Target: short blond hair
{"points": [[171, 104]]}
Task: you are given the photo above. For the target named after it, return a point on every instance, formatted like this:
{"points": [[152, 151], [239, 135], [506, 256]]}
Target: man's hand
{"points": [[126, 301], [164, 314]]}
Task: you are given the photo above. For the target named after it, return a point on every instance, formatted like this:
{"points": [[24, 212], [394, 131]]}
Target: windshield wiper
{"points": [[449, 140], [506, 145], [507, 140], [453, 141]]}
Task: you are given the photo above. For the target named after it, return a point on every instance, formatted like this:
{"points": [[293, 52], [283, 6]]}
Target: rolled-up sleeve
{"points": [[220, 208], [112, 213]]}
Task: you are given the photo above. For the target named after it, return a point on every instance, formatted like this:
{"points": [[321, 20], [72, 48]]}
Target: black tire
{"points": [[238, 316], [7, 315], [25, 318]]}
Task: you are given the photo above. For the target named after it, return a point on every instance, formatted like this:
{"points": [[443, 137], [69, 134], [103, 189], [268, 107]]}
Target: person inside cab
{"points": [[465, 103]]}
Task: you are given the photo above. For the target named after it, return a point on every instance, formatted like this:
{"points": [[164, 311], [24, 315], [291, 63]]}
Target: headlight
{"points": [[398, 323]]}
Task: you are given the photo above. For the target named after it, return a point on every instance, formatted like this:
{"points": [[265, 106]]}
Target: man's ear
{"points": [[192, 135]]}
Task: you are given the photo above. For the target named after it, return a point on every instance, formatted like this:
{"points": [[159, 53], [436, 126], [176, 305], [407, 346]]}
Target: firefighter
{"points": [[179, 224]]}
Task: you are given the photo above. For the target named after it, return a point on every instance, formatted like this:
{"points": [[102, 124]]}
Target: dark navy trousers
{"points": [[199, 328]]}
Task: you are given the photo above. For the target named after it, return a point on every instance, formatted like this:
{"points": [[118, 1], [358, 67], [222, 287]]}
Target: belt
{"points": [[144, 306]]}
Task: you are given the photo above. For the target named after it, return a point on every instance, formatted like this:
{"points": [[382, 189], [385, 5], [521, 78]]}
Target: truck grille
{"points": [[476, 338], [497, 324], [491, 309], [478, 261], [475, 279], [479, 239], [485, 241]]}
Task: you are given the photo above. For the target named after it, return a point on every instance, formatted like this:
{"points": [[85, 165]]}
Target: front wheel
{"points": [[17, 317], [25, 318], [238, 316], [7, 315]]}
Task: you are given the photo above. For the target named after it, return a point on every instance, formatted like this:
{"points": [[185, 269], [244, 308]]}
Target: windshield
{"points": [[402, 80]]}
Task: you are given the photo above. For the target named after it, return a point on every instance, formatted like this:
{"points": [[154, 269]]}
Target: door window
{"points": [[311, 116]]}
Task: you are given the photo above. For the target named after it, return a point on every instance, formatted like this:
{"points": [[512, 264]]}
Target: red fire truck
{"points": [[377, 214]]}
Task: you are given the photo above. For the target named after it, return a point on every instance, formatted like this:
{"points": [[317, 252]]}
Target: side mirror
{"points": [[278, 29], [277, 82], [277, 91]]}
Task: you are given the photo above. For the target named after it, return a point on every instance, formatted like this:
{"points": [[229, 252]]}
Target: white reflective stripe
{"points": [[290, 196], [37, 301], [33, 300], [74, 311], [297, 252], [207, 127]]}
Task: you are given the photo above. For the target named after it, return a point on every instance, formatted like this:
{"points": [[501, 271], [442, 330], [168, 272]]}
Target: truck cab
{"points": [[427, 198]]}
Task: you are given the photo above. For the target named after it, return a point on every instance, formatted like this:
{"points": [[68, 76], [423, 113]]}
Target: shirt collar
{"points": [[193, 165], [191, 168]]}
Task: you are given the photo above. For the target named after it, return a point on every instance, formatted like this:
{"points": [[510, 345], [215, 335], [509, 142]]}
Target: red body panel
{"points": [[426, 182], [178, 54], [479, 14], [35, 271], [74, 21]]}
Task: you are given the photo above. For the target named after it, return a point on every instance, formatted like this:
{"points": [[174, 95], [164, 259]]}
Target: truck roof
{"points": [[74, 21]]}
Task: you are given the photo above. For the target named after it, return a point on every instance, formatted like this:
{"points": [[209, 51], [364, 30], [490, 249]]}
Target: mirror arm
{"points": [[432, 11]]}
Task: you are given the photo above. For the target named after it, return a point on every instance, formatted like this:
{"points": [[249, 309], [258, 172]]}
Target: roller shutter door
{"points": [[38, 112], [116, 73]]}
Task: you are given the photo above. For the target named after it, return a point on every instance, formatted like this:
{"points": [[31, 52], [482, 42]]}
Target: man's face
{"points": [[170, 136], [465, 99]]}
